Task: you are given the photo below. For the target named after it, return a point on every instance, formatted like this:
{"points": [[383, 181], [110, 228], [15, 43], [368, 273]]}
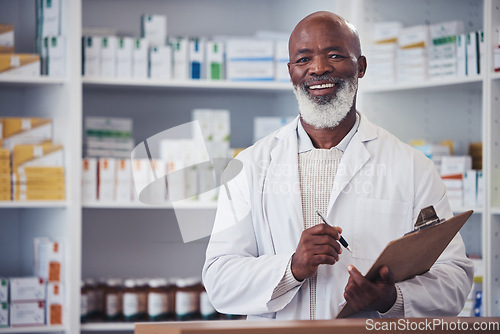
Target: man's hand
{"points": [[362, 294], [317, 245]]}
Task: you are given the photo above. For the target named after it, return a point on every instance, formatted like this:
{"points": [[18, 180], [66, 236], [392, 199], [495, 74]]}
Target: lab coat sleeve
{"points": [[237, 278], [443, 289]]}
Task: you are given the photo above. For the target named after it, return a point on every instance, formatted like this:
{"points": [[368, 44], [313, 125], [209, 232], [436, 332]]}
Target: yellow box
{"points": [[40, 197], [15, 125], [29, 188], [29, 152], [29, 63]]}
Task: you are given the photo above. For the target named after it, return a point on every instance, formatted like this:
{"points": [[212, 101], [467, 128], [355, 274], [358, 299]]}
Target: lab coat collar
{"points": [[285, 154]]}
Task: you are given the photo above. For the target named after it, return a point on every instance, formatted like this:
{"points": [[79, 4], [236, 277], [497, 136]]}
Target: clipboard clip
{"points": [[426, 218]]}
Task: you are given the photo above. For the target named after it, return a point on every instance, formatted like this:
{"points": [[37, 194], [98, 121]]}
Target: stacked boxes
{"points": [[38, 172], [107, 180], [412, 54], [443, 50], [27, 301], [19, 64], [50, 43], [36, 165], [109, 137], [382, 53]]}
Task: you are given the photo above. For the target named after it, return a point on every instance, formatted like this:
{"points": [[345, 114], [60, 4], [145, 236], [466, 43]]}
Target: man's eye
{"points": [[303, 60], [336, 56]]}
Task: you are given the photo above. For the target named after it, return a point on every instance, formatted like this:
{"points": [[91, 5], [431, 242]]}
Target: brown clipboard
{"points": [[414, 253]]}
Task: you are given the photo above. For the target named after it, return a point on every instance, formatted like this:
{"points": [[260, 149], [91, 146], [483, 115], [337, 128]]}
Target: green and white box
{"points": [[124, 57], [48, 17], [55, 56], [4, 314], [215, 60], [109, 46], [4, 290], [91, 55], [140, 59], [160, 63]]}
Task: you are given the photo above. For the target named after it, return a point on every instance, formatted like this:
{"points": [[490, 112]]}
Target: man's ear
{"points": [[289, 70], [361, 66]]}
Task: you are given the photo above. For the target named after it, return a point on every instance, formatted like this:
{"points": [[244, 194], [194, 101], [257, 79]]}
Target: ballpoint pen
{"points": [[341, 240]]}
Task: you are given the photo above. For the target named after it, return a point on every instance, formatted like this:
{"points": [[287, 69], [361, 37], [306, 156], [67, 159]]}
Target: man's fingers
{"points": [[386, 275]]}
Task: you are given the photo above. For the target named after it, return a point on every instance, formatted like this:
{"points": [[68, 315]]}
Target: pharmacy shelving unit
{"points": [[462, 109], [59, 99]]}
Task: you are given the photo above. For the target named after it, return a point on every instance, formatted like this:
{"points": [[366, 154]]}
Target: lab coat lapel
{"points": [[283, 190], [355, 157]]}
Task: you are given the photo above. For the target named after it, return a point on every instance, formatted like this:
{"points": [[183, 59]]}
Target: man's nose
{"points": [[320, 65]]}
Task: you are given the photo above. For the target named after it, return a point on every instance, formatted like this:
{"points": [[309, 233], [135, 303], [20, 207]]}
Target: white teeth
{"points": [[329, 85]]}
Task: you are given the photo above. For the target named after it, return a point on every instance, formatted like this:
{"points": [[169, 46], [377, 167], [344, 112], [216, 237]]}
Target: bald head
{"points": [[324, 22]]}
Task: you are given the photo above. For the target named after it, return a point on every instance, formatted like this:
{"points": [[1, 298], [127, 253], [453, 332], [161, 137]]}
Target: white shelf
{"points": [[32, 204], [138, 205], [34, 329], [190, 84], [107, 327], [421, 84], [495, 210], [460, 209], [30, 81]]}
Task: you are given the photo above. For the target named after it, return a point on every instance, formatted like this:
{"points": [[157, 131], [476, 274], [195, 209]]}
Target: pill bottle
{"points": [[157, 299], [187, 299], [207, 310], [142, 292], [84, 310], [90, 288], [130, 300], [99, 312], [113, 299]]}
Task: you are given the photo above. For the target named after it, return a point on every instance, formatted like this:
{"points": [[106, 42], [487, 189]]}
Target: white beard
{"points": [[322, 113]]}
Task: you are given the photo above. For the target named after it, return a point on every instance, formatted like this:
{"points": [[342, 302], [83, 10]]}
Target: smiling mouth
{"points": [[322, 86]]}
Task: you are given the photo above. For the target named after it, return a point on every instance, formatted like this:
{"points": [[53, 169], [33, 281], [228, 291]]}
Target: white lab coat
{"points": [[380, 187]]}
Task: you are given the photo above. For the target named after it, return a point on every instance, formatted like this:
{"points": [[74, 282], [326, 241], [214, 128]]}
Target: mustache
{"points": [[322, 78]]}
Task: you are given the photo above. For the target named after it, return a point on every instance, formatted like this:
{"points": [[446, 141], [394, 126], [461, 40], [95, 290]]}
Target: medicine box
{"points": [[123, 191], [472, 46], [48, 259], [452, 165], [55, 56], [54, 304], [89, 180], [4, 290], [124, 57], [470, 188], [4, 314], [154, 29], [160, 66], [263, 126], [26, 289], [140, 59], [48, 17], [386, 32], [6, 38], [27, 314], [414, 37], [249, 59], [91, 48], [109, 46], [19, 64], [180, 47], [106, 179], [461, 55], [215, 60], [196, 58]]}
